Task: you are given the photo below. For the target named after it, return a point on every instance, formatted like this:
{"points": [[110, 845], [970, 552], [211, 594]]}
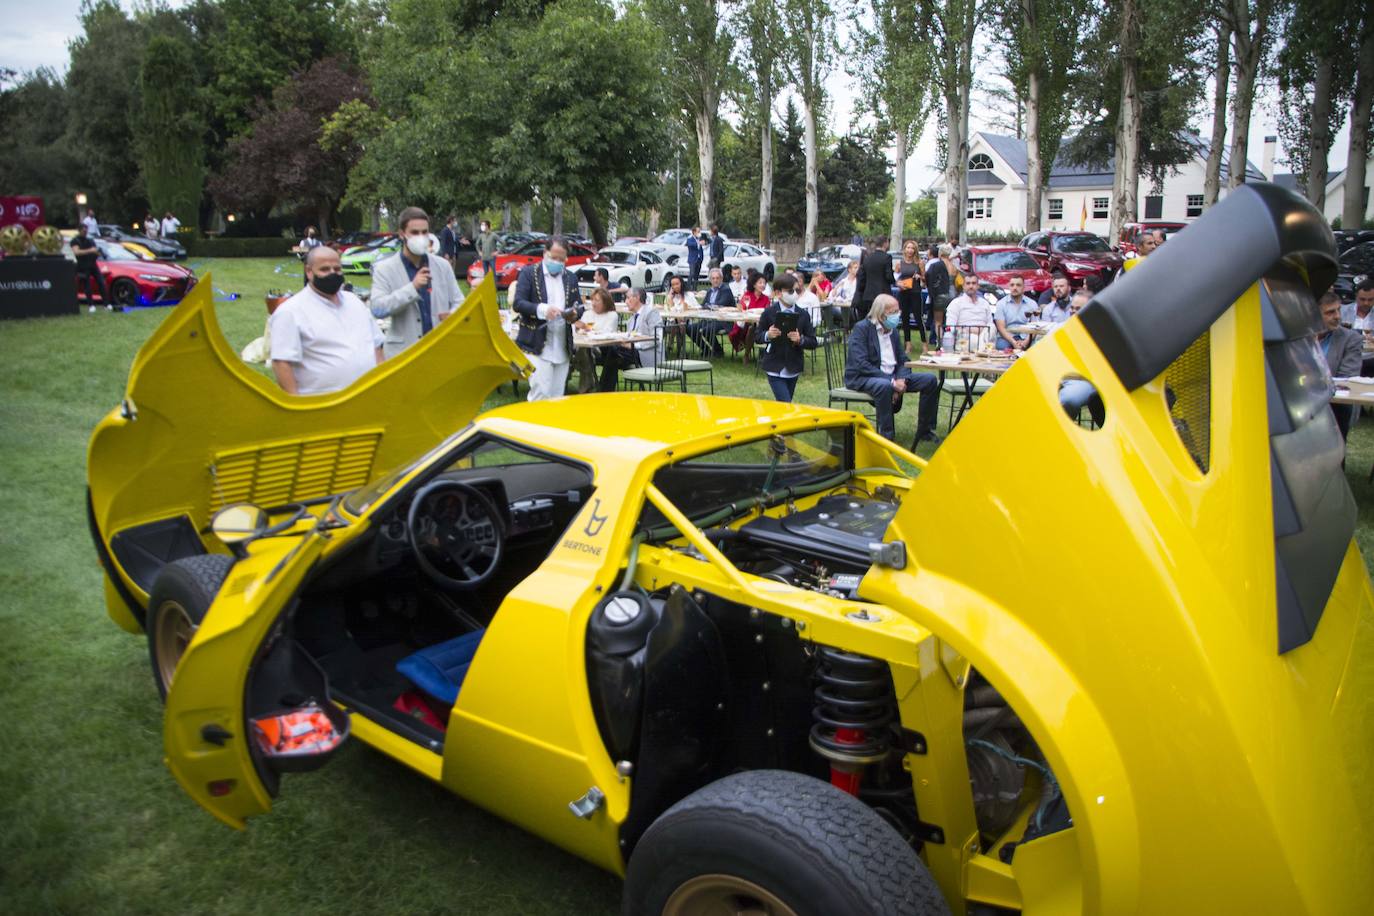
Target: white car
{"points": [[671, 246], [748, 257], [628, 265]]}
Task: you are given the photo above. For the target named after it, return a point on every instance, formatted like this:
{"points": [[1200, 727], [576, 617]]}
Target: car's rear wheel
{"points": [[776, 843], [182, 593], [124, 292]]}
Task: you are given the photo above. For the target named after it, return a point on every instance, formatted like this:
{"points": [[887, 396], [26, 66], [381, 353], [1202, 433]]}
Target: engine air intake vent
{"points": [[295, 471]]}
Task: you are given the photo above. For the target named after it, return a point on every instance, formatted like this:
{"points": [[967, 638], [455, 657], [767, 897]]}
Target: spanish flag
{"points": [[1083, 217]]}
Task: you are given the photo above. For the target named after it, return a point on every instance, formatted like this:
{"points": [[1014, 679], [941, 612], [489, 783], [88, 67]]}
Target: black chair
{"points": [[836, 347]]}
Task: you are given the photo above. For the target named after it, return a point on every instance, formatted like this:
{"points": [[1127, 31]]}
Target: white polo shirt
{"points": [[328, 345]]}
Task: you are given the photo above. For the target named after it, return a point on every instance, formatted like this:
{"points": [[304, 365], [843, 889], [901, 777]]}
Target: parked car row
{"points": [[134, 279]]}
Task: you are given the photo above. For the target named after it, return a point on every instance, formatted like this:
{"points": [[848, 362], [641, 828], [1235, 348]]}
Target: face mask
{"points": [[417, 245], [553, 267], [891, 321], [329, 284], [789, 298]]}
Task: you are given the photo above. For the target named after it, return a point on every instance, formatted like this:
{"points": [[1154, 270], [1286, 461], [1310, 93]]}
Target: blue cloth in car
{"points": [[439, 670]]}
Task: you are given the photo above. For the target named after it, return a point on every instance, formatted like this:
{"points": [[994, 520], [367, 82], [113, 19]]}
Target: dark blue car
{"points": [[831, 261]]}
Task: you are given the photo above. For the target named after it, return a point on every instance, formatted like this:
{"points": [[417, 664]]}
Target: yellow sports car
{"points": [[758, 659]]}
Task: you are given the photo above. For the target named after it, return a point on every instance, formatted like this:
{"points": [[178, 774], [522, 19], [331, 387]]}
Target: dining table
{"points": [[970, 367]]}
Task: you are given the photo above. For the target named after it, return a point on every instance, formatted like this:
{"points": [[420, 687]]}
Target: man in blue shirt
{"points": [[694, 257], [1012, 309]]}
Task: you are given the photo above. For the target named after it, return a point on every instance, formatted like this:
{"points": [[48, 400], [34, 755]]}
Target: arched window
{"points": [[980, 162]]}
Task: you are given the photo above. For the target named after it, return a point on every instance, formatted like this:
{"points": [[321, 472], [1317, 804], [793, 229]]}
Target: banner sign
{"points": [[37, 287], [26, 211]]}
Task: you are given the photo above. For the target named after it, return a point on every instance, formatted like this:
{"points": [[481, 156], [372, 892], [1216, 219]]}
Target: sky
{"points": [[36, 34]]}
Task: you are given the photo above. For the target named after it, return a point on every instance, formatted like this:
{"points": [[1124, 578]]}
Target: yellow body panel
{"points": [[199, 428]]}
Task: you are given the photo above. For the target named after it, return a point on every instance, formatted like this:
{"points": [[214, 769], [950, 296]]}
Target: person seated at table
{"points": [[842, 295], [820, 285], [677, 297], [756, 298], [1015, 308], [717, 296], [644, 320], [812, 296], [601, 319], [876, 365], [787, 330], [968, 309], [1360, 313], [737, 285], [1343, 349]]}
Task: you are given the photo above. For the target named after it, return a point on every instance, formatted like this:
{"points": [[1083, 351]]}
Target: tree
{"points": [[35, 157], [1211, 182], [1352, 210], [789, 179], [171, 145], [699, 71], [281, 159], [765, 50], [1315, 76], [951, 25], [1040, 65], [1249, 23], [895, 71], [855, 174], [1126, 174], [808, 66]]}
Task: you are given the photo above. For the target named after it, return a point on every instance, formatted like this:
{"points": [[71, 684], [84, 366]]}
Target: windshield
{"points": [[1005, 260], [770, 467], [611, 256], [112, 252], [1361, 257], [672, 237], [1080, 244], [378, 243]]}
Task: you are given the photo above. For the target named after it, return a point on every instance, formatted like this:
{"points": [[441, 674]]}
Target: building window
{"points": [[1194, 205], [980, 162], [1056, 208], [1154, 206], [978, 208], [1101, 207]]}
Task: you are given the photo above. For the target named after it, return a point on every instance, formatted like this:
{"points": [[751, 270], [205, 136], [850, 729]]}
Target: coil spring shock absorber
{"points": [[854, 706]]}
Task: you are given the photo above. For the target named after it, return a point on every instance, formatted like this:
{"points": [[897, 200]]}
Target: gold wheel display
{"points": [[174, 632], [724, 895]]}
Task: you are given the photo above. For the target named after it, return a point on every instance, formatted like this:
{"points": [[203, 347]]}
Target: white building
{"points": [[1075, 197], [1335, 192]]}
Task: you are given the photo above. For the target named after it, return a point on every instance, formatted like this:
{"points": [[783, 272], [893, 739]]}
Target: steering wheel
{"points": [[456, 533]]}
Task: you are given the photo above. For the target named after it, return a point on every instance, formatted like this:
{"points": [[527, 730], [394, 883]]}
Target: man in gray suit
{"points": [[415, 289], [644, 319], [1344, 350]]}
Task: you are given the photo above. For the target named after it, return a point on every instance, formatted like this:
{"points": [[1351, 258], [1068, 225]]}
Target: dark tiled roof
{"points": [[1286, 181]]}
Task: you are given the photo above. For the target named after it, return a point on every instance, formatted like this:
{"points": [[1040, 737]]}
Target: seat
{"points": [[678, 361], [836, 352], [439, 670]]}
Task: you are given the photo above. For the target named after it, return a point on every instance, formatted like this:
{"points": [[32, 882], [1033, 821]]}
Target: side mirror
{"points": [[238, 524]]}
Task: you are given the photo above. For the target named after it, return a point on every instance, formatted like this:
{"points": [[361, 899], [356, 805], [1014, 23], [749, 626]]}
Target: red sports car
{"points": [[997, 264], [1076, 254], [133, 281], [509, 264]]}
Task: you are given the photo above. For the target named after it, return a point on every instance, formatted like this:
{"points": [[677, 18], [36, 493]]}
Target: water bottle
{"points": [[947, 341]]}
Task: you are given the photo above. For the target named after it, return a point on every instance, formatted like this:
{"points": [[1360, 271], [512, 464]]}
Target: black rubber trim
{"points": [[1146, 319], [108, 568]]}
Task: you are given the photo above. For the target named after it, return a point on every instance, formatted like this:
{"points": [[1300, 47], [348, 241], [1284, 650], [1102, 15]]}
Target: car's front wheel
{"points": [[776, 843], [182, 593], [124, 292]]}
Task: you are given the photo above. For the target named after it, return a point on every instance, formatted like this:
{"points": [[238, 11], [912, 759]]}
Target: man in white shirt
{"points": [[91, 224], [969, 308], [323, 338], [547, 301], [170, 225], [1013, 309], [1360, 313], [737, 282]]}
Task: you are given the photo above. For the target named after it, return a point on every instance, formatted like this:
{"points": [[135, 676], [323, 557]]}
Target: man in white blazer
{"points": [[415, 287]]}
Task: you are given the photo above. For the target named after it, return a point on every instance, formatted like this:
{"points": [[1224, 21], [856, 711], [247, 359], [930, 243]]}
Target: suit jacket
{"points": [[716, 246], [394, 296], [695, 250], [647, 321], [875, 278], [865, 359], [717, 298], [780, 354], [529, 295], [1346, 352]]}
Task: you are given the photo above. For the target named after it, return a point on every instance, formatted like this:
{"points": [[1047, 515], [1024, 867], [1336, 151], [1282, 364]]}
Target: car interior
{"points": [[394, 622]]}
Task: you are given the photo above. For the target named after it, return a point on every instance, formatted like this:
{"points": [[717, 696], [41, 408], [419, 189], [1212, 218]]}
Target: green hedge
{"points": [[271, 247]]}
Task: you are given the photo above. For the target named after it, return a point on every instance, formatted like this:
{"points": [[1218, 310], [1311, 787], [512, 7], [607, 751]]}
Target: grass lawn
{"points": [[93, 822]]}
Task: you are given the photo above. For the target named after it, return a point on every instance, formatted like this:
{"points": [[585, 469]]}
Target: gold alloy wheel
{"points": [[173, 635], [724, 895]]}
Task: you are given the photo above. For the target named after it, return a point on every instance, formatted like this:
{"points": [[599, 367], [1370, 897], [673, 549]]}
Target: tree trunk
{"points": [[322, 219], [706, 168], [1035, 172], [583, 223], [970, 26], [899, 188], [557, 217], [1211, 183], [595, 228], [376, 219], [1126, 181], [954, 163], [505, 216], [613, 222], [654, 217], [1352, 211], [1319, 133], [813, 166], [526, 218], [766, 171], [1249, 52]]}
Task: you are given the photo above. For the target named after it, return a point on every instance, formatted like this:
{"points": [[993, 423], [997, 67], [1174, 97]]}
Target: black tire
{"points": [[768, 272], [667, 282], [814, 849], [183, 589], [124, 292]]}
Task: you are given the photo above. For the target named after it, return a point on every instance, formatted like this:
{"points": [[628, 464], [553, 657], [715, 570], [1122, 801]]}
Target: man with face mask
{"points": [[786, 331], [416, 290], [323, 338], [877, 367], [547, 302]]}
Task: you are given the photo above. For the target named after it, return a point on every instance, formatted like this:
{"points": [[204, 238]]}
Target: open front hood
{"points": [[199, 428]]}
